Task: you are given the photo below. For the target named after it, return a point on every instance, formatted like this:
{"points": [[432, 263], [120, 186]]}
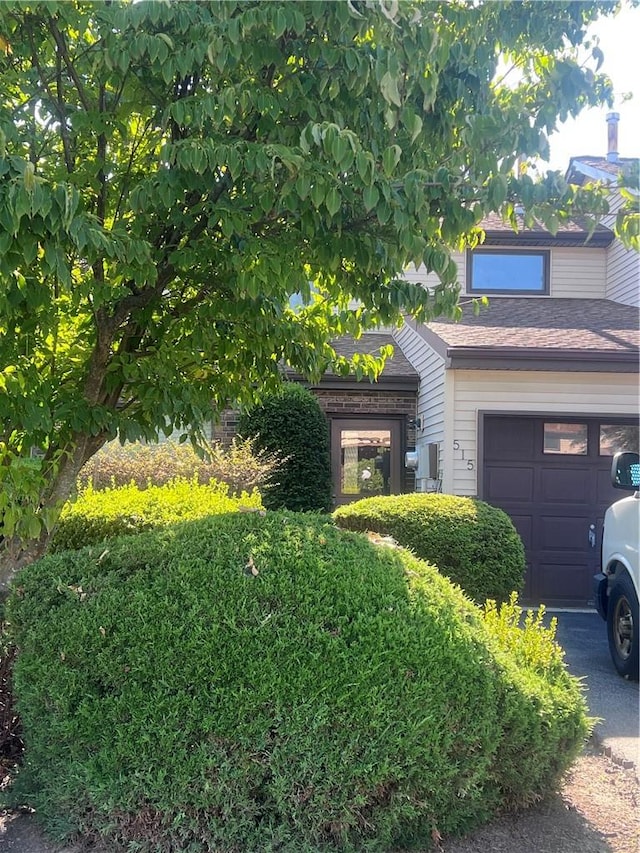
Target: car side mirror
{"points": [[625, 471]]}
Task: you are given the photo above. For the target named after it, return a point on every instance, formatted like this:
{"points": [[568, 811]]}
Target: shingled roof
{"points": [[556, 333], [398, 373], [575, 232], [588, 168]]}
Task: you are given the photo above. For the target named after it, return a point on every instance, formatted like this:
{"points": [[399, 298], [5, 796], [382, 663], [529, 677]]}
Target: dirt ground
{"points": [[597, 811]]}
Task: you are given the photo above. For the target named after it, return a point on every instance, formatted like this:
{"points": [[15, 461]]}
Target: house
{"points": [[527, 402], [522, 405]]}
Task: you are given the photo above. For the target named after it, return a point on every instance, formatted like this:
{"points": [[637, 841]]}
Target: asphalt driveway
{"points": [[610, 697]]}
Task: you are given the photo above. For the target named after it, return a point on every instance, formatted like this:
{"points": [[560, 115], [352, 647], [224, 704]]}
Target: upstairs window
{"points": [[518, 273]]}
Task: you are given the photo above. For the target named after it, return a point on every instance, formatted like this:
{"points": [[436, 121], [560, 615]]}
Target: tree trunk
{"points": [[15, 553]]}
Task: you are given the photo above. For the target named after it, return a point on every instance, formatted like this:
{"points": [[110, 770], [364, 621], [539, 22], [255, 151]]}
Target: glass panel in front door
{"points": [[365, 462]]}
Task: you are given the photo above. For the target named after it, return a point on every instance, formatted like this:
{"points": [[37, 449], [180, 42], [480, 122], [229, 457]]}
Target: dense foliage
{"points": [[274, 683], [291, 424], [96, 516], [240, 466], [172, 172], [473, 543]]}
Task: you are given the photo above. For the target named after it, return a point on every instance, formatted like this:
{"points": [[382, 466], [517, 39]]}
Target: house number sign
{"points": [[470, 462]]}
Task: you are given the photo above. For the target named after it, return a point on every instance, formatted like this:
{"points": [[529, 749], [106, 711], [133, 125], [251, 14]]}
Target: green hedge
{"points": [[273, 683], [96, 516], [291, 424], [473, 543]]}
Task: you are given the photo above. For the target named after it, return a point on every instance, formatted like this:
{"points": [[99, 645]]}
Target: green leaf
{"points": [[339, 149], [280, 23], [389, 89], [365, 167], [317, 194], [233, 30], [391, 158], [414, 126], [332, 201], [370, 196], [497, 191]]}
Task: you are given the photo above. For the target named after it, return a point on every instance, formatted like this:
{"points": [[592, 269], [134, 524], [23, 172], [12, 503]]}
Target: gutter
{"points": [[599, 239], [350, 383], [541, 358]]}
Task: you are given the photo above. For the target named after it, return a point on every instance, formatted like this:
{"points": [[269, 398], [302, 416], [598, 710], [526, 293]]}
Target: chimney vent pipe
{"points": [[612, 137]]}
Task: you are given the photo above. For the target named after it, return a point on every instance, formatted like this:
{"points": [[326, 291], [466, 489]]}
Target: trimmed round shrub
{"points": [[292, 424], [472, 543], [96, 516], [273, 683]]}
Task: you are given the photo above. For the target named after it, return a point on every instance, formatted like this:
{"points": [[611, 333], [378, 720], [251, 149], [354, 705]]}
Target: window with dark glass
{"points": [[524, 272], [565, 439], [615, 437]]}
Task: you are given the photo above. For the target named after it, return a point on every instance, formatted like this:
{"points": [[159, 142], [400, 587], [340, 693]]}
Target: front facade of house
{"points": [[528, 401], [522, 406]]}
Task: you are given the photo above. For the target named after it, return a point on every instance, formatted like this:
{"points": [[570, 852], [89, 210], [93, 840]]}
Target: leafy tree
{"points": [[172, 172]]}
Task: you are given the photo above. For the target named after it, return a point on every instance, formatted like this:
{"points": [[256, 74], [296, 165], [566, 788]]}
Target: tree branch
{"points": [[64, 130], [57, 102], [134, 150], [62, 47], [101, 201]]}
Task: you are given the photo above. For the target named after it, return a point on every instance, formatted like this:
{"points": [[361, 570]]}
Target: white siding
{"points": [[430, 367], [578, 273], [530, 392], [430, 280], [623, 275], [623, 265]]}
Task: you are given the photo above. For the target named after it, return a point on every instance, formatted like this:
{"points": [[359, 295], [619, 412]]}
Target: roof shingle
{"points": [[572, 232], [370, 343], [592, 325]]}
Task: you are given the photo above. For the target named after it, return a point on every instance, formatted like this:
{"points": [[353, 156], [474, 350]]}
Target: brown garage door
{"points": [[552, 476]]}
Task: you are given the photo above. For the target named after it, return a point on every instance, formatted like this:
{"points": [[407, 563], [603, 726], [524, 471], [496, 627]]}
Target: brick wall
{"points": [[367, 402], [227, 428]]}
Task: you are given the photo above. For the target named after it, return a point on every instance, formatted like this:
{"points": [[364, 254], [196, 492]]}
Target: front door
{"points": [[366, 458]]}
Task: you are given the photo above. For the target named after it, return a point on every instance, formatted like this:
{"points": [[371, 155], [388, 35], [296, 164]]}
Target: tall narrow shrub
{"points": [[292, 424]]}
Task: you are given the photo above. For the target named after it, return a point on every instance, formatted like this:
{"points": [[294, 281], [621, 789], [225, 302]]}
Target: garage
{"points": [[551, 475]]}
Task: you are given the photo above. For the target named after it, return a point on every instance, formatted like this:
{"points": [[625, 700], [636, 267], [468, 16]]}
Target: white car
{"points": [[617, 586]]}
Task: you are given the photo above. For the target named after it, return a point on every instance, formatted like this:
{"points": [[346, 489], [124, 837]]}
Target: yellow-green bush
{"points": [[249, 683], [241, 466], [96, 516], [472, 543]]}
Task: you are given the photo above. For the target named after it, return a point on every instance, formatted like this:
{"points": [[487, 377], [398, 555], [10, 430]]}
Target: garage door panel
{"points": [[605, 493], [510, 439], [563, 533], [562, 484], [560, 582], [510, 484]]}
